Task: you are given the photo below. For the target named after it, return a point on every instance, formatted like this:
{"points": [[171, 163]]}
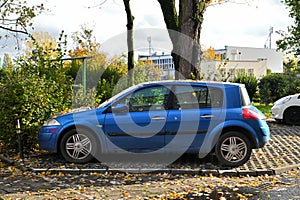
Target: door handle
{"points": [[207, 116], [158, 118]]}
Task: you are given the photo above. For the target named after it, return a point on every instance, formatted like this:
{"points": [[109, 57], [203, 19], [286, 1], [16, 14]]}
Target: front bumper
{"points": [[277, 112], [48, 138]]}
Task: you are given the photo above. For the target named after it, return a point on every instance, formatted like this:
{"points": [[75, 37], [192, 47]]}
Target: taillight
{"points": [[251, 114]]}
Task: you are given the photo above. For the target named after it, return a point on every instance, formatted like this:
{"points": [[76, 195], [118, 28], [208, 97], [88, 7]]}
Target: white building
{"points": [[232, 61], [274, 58], [226, 70], [164, 62]]}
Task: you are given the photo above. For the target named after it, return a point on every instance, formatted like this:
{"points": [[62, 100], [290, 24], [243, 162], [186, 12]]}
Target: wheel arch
{"points": [[242, 130], [72, 127], [287, 109], [213, 135]]}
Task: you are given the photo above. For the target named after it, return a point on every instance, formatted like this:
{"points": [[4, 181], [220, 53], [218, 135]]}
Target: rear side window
{"points": [[192, 97], [245, 97]]}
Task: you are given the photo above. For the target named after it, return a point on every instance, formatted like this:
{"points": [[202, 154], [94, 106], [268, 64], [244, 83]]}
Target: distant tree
{"points": [[7, 61], [85, 42], [291, 71], [290, 39], [45, 42], [209, 54]]}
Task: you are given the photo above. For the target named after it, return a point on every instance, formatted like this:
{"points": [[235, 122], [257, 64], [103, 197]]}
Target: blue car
{"points": [[157, 122]]}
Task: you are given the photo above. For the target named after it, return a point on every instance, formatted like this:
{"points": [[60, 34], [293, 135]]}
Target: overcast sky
{"points": [[232, 24]]}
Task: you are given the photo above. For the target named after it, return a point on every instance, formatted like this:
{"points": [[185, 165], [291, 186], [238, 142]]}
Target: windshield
{"points": [[245, 97]]}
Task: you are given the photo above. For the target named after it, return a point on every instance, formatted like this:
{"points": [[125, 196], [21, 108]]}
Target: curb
{"points": [[202, 172]]}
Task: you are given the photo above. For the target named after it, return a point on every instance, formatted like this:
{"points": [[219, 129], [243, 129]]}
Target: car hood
{"points": [[70, 115]]}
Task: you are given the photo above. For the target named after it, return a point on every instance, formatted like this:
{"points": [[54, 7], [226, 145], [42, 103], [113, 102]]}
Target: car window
{"points": [[187, 97], [245, 97], [151, 98]]}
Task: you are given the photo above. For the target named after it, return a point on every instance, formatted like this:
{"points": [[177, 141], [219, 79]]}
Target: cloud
{"points": [[243, 24], [237, 23]]}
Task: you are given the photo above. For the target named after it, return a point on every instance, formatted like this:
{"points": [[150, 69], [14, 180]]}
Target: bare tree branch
{"points": [[3, 4], [14, 30], [98, 5]]}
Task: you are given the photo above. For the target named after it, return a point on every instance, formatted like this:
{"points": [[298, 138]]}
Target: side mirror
{"points": [[120, 108]]}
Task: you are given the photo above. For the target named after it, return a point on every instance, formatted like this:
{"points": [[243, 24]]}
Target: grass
{"points": [[266, 109]]}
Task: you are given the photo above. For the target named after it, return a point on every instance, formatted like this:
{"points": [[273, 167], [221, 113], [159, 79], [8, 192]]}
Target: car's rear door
{"points": [[190, 117]]}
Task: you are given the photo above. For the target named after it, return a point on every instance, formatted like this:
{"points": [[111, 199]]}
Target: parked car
{"points": [[287, 110], [165, 117]]}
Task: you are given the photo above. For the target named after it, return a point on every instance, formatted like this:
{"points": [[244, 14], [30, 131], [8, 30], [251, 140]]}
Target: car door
{"points": [[141, 127], [189, 118]]}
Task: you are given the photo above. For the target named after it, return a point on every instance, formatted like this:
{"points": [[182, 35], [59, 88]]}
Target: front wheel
{"points": [[233, 149], [78, 146]]}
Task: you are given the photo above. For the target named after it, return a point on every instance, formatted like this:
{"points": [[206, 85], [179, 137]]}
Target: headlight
{"points": [[283, 101], [52, 122]]}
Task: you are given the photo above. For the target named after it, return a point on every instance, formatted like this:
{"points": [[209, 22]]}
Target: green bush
{"points": [[32, 91], [32, 99], [250, 82], [272, 87]]}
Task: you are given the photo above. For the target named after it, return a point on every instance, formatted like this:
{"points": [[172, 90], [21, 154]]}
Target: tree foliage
{"points": [[17, 15], [290, 39]]}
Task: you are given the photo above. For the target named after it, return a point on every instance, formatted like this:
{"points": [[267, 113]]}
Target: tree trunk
{"points": [[129, 26], [186, 42], [190, 20]]}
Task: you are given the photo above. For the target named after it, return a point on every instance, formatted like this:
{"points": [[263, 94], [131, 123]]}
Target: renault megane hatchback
{"points": [[165, 118]]}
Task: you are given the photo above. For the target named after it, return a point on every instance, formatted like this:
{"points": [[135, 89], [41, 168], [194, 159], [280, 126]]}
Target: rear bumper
{"points": [[265, 134]]}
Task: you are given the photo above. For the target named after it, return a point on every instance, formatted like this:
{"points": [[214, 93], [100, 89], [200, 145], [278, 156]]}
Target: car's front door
{"points": [[141, 127]]}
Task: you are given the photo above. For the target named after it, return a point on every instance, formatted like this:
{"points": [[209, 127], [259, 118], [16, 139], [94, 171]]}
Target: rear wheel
{"points": [[78, 146], [292, 116], [233, 149]]}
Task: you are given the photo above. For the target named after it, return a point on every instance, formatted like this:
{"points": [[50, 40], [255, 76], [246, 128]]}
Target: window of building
{"points": [[250, 72]]}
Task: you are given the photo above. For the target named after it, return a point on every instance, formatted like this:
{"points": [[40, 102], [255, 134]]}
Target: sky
{"points": [[232, 24]]}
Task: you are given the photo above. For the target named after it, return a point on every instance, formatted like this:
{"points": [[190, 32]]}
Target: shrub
{"points": [[272, 87], [32, 91], [250, 83], [32, 99]]}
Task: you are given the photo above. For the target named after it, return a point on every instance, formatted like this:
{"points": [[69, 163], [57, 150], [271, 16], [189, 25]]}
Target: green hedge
{"points": [[250, 83], [272, 87]]}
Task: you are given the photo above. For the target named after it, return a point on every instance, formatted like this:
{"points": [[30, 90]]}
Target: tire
{"points": [[292, 116], [233, 149], [78, 146]]}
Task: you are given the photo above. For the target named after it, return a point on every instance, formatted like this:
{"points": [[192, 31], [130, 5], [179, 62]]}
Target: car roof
{"points": [[184, 82]]}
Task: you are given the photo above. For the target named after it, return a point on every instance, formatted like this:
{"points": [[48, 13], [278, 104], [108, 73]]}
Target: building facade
{"points": [[226, 70], [164, 62], [234, 53], [230, 62]]}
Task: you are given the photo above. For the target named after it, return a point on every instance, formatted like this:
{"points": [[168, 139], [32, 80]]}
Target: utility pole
{"points": [[149, 41], [269, 39]]}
